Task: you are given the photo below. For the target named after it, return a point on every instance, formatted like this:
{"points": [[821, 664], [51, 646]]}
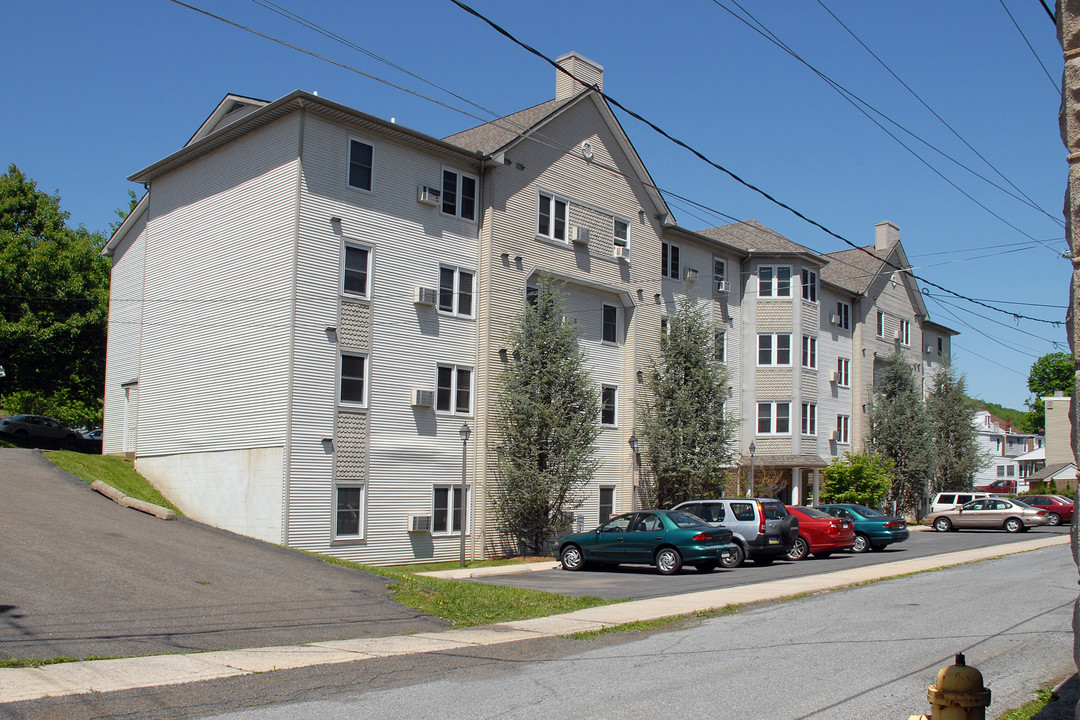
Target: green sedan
{"points": [[662, 538]]}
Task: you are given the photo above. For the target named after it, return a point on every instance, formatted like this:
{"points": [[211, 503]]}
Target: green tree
{"points": [[54, 296], [861, 479], [1050, 373], [956, 444], [900, 430], [547, 417], [683, 424]]}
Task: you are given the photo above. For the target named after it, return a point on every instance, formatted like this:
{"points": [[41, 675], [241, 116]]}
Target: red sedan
{"points": [[1057, 510], [820, 533]]}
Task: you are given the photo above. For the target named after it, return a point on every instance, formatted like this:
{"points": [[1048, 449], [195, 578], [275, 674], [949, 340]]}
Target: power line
{"points": [[1015, 302], [1053, 84]]}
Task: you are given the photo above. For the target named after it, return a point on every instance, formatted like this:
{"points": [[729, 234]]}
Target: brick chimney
{"points": [[581, 67], [885, 235]]}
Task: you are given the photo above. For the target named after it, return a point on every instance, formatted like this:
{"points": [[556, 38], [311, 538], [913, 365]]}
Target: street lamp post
{"points": [[633, 472], [463, 433], [750, 491]]}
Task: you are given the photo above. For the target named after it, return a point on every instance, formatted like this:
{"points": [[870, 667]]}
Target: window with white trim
{"points": [[843, 429], [459, 195], [447, 520], [719, 345], [809, 352], [774, 349], [353, 387], [880, 324], [809, 285], [607, 503], [940, 347], [349, 511], [453, 389], [903, 333], [843, 311], [356, 269], [552, 217], [774, 418], [361, 165], [774, 281], [456, 291], [663, 326], [719, 274], [621, 233], [809, 419], [843, 372], [669, 261], [610, 324], [609, 395]]}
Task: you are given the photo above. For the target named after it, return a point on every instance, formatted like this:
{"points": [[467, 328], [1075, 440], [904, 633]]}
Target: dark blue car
{"points": [[873, 530]]}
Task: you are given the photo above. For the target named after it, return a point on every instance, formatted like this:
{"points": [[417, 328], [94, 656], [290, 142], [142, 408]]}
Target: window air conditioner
{"points": [[722, 286], [428, 195], [834, 435], [423, 398], [426, 296], [929, 348], [621, 253], [834, 319], [835, 377], [419, 523], [579, 235]]}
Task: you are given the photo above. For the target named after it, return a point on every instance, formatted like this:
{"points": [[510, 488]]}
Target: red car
{"points": [[1057, 510], [820, 533]]}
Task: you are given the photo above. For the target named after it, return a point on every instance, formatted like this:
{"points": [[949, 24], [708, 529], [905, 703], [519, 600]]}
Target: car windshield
{"points": [[1063, 499], [686, 520], [814, 512], [1020, 503], [867, 512]]}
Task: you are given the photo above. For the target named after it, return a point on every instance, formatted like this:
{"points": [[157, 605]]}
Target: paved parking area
{"points": [[81, 576]]}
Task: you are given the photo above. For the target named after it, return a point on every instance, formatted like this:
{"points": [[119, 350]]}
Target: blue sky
{"points": [[97, 91]]}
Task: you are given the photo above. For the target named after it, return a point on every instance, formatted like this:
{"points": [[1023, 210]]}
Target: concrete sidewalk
{"points": [[128, 673]]}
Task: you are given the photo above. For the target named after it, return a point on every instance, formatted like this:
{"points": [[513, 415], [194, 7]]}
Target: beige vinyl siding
{"points": [[833, 399]]}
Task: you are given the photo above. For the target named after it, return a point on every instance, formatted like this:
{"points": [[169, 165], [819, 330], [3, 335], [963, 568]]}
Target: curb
{"points": [[124, 501]]}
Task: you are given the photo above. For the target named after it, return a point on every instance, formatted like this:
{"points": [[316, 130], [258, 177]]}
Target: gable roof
{"points": [[1050, 471], [853, 269], [229, 110], [753, 237]]}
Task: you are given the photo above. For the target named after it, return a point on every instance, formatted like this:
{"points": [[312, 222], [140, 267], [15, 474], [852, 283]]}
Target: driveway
{"points": [[81, 576]]}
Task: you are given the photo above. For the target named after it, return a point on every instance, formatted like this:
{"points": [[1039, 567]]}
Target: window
{"points": [[608, 397], [356, 269], [809, 352], [663, 326], [353, 379], [445, 521], [880, 324], [1010, 471], [809, 419], [622, 233], [843, 311], [552, 217], [453, 389], [774, 281], [456, 291], [940, 347], [719, 274], [669, 261], [843, 429], [719, 342], [361, 164], [531, 296], [349, 511], [809, 285], [610, 330], [1001, 471], [774, 349], [459, 195], [903, 333], [843, 370], [774, 418], [607, 503]]}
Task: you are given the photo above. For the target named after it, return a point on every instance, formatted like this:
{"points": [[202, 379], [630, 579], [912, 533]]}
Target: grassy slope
{"points": [[112, 470]]}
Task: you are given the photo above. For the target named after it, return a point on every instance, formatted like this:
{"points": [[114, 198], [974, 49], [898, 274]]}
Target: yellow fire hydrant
{"points": [[958, 694]]}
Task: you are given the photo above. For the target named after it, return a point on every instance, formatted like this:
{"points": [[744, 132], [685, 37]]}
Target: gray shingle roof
{"points": [[1048, 471], [752, 236], [490, 137], [853, 269]]}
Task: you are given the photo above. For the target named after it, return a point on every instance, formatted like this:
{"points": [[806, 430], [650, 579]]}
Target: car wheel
{"points": [[705, 567], [572, 558], [861, 544], [1014, 525], [1053, 519], [763, 561], [943, 524], [823, 554], [735, 559], [668, 561], [799, 550]]}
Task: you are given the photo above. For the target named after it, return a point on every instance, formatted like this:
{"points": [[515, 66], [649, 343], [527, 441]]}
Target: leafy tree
{"points": [[1018, 418], [54, 294], [683, 425], [956, 443], [1052, 372], [861, 479], [900, 430], [547, 415]]}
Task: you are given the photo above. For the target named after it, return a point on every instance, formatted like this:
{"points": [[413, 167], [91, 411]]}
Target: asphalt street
{"points": [[81, 576]]}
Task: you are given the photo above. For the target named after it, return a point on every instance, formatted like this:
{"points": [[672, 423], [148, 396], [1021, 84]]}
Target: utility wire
{"points": [[1053, 84], [1049, 12]]}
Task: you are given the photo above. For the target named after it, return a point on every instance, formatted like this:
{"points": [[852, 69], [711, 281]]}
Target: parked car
{"points": [[763, 530], [820, 533], [38, 426], [663, 538], [989, 513], [873, 530], [948, 500], [93, 435], [1057, 509], [1000, 487]]}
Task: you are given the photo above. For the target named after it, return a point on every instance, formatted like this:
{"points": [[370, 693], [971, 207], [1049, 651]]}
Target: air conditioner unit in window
{"points": [[929, 348], [423, 398], [834, 435], [428, 195], [579, 235], [835, 377], [834, 319], [621, 253], [426, 296], [722, 286], [419, 523]]}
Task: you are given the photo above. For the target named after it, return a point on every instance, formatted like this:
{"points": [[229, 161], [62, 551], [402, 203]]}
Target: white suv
{"points": [[762, 528], [950, 500]]}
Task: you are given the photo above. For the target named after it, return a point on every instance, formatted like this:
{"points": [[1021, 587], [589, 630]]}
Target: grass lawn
{"points": [[111, 470]]}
